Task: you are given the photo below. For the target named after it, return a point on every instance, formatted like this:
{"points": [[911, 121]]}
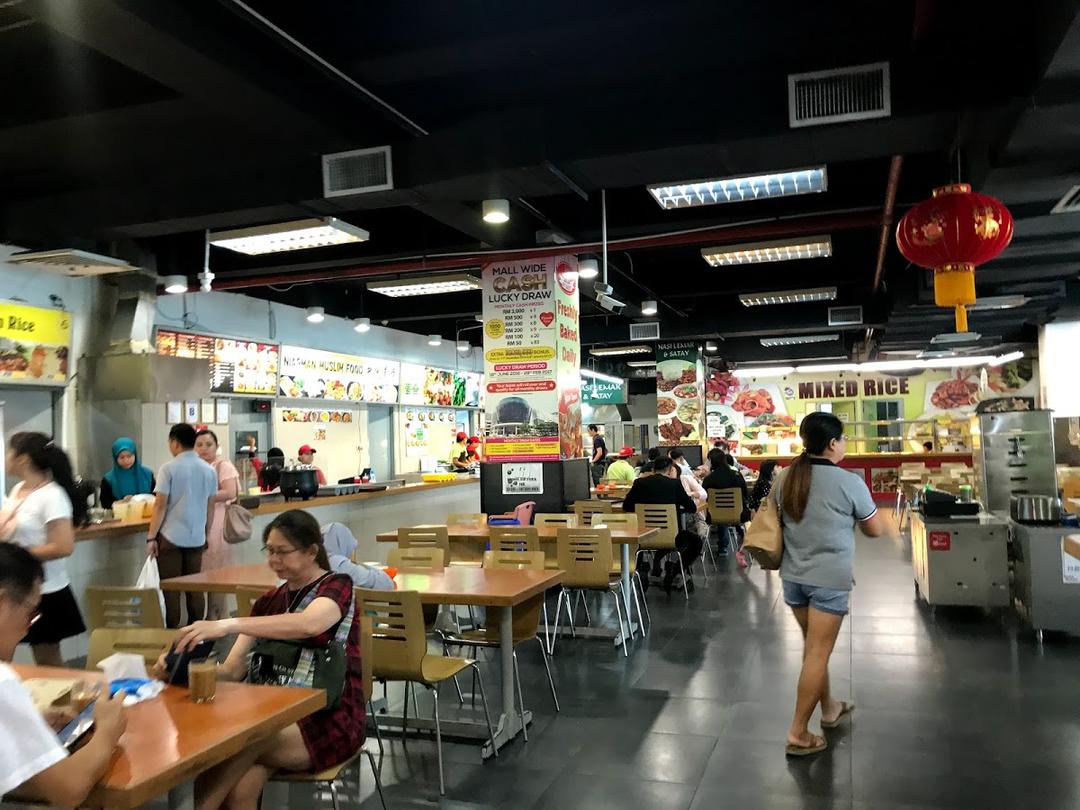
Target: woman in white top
{"points": [[40, 515], [218, 553]]}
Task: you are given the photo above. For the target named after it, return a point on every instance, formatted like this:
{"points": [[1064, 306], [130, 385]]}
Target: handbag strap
{"points": [[344, 625]]}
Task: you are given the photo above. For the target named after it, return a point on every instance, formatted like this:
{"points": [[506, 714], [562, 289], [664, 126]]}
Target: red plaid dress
{"points": [[331, 735]]}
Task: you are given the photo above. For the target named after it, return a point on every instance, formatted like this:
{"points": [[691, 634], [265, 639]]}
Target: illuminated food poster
{"points": [[236, 366], [424, 385], [314, 374], [34, 345], [680, 393]]}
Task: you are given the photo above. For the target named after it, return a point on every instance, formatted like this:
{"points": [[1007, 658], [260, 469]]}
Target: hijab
{"points": [[137, 480]]}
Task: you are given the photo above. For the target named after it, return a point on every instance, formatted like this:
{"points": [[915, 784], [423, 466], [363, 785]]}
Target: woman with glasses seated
{"points": [[314, 608]]}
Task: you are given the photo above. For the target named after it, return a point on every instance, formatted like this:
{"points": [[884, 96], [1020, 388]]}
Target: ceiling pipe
{"points": [[722, 234], [887, 219]]}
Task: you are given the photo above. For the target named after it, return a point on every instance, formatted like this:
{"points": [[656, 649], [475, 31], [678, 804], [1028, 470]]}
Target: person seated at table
{"points": [[340, 544], [33, 763], [295, 552], [620, 469], [127, 477], [687, 477], [663, 487], [763, 486], [270, 475], [650, 457], [724, 476]]}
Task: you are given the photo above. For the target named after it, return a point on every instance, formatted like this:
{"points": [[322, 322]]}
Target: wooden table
{"points": [[170, 740], [451, 586]]}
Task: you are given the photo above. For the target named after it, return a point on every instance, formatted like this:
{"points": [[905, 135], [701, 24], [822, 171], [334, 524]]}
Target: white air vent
{"points": [[845, 316], [359, 171], [842, 94], [1068, 204], [649, 330], [72, 262]]}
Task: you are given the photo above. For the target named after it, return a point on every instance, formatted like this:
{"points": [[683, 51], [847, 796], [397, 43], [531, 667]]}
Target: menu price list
{"points": [[236, 366]]}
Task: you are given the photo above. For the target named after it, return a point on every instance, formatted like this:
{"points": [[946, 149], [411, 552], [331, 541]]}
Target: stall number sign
{"points": [[522, 479], [940, 541]]}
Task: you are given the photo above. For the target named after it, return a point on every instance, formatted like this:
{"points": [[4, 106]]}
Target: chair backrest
{"points": [[583, 509], [246, 598], [123, 607], [725, 505], [424, 537], [561, 519], [367, 655], [514, 560], [585, 557], [398, 643], [148, 642], [526, 616], [427, 559], [661, 517], [466, 519], [614, 520], [523, 512], [514, 538]]}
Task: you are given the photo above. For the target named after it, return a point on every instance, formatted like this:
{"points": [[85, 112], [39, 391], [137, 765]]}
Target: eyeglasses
{"points": [[278, 552]]}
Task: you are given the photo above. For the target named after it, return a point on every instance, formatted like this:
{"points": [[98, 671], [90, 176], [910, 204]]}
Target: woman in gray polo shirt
{"points": [[820, 503]]}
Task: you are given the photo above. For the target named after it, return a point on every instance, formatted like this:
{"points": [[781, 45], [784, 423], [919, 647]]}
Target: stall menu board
{"points": [[602, 392], [236, 366], [424, 385], [680, 393], [315, 374], [34, 345]]}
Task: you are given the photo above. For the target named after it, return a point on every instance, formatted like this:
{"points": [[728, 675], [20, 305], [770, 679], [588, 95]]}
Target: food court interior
{"points": [[469, 254]]}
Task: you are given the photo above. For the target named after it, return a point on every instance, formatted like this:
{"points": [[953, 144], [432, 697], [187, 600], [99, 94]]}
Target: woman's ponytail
{"points": [[817, 431]]}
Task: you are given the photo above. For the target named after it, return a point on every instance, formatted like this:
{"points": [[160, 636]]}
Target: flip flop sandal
{"points": [[845, 708], [806, 750]]}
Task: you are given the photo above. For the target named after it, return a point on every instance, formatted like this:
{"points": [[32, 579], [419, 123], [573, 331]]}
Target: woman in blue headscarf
{"points": [[127, 477]]}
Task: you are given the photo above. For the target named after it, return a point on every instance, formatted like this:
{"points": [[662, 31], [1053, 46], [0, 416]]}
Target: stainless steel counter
{"points": [[961, 561], [1047, 577]]}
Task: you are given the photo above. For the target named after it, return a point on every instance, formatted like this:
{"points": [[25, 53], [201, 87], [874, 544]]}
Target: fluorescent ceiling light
{"points": [[596, 375], [949, 338], [611, 351], [641, 363], [740, 188], [174, 285], [496, 212], [1008, 358], [648, 307], [827, 367], [788, 296], [588, 268], [434, 340], [297, 235], [763, 371], [797, 340], [426, 285], [780, 250], [316, 315], [998, 302], [72, 262], [362, 324]]}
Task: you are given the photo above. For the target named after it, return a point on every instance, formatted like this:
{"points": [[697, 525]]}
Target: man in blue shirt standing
{"points": [[183, 512]]}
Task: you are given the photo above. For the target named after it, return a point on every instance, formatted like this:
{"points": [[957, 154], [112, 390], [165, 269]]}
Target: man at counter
{"points": [[620, 469], [459, 453], [598, 459], [306, 456]]}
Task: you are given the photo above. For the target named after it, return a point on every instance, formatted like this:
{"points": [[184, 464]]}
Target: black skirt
{"points": [[60, 619]]}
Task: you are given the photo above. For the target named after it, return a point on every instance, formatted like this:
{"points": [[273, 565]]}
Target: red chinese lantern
{"points": [[951, 233]]}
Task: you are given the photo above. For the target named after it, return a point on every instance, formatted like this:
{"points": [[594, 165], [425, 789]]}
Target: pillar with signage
{"points": [[532, 364], [680, 397]]}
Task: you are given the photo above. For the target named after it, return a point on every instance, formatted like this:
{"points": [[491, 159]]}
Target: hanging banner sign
{"points": [[602, 392], [314, 374], [680, 393], [34, 345]]}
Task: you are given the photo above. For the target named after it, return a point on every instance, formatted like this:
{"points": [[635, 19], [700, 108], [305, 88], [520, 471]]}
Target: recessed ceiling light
{"points": [[740, 188], [710, 346], [426, 285], [316, 315], [496, 212], [648, 307], [588, 268], [797, 340], [788, 296], [174, 285], [463, 346], [611, 351], [434, 340], [300, 234], [641, 363], [362, 324], [780, 250]]}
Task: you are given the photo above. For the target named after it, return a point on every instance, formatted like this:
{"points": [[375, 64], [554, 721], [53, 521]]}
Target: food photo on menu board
{"points": [[236, 366], [680, 407], [314, 374], [34, 344]]}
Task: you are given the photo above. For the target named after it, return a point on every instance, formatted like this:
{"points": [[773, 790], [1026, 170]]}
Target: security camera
{"points": [[610, 304], [600, 288]]}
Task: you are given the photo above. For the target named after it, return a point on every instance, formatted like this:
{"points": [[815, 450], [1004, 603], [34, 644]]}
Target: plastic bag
{"points": [[150, 578]]}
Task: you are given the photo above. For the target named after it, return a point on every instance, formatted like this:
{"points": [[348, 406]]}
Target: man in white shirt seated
{"points": [[33, 763]]}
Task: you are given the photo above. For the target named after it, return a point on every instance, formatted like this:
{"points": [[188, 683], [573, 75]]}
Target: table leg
{"points": [[182, 797], [628, 596]]}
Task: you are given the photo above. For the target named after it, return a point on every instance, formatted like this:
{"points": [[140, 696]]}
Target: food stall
{"points": [[434, 405]]}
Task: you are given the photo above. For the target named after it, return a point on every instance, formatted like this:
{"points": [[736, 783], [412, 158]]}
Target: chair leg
{"points": [[333, 795], [472, 694], [618, 613], [644, 598], [637, 604], [712, 558], [415, 705], [521, 698], [405, 716], [547, 630], [472, 618], [487, 715], [682, 571], [375, 722], [558, 617], [378, 780], [438, 742], [547, 668], [585, 604]]}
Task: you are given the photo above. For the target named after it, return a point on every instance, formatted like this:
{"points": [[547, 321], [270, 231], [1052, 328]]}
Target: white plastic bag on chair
{"points": [[150, 578]]}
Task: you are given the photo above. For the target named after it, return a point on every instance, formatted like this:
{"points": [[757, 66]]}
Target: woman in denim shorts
{"points": [[820, 503]]}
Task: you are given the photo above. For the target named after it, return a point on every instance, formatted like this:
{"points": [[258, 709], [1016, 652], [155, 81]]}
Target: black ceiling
{"points": [[136, 124]]}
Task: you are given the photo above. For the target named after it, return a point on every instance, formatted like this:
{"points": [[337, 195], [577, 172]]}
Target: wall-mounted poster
{"points": [[236, 366], [680, 393], [314, 374], [34, 345], [424, 385]]}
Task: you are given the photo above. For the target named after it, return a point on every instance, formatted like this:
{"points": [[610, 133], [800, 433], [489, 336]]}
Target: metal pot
{"points": [[1035, 509], [299, 483]]}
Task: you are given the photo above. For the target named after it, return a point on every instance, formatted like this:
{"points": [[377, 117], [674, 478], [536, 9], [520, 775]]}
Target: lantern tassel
{"points": [[961, 318]]}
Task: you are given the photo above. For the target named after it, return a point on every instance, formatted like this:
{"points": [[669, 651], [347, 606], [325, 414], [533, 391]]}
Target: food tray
{"points": [[432, 478]]}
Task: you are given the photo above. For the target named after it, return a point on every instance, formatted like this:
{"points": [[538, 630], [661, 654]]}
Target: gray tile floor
{"points": [[955, 710]]}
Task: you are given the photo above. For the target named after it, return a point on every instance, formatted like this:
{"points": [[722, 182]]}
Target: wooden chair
{"points": [[560, 519], [725, 510], [665, 520], [626, 520], [514, 538], [425, 559], [466, 519], [585, 558], [526, 621], [246, 599], [150, 643], [123, 607], [399, 646], [584, 509], [331, 776]]}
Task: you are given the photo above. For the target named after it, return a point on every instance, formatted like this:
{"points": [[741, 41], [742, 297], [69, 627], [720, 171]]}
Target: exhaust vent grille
{"points": [[645, 331], [845, 316], [1070, 203], [842, 94], [360, 171]]}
